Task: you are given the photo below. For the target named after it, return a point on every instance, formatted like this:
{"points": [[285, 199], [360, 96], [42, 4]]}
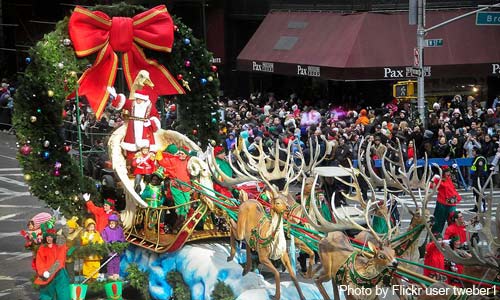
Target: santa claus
{"points": [[141, 122]]}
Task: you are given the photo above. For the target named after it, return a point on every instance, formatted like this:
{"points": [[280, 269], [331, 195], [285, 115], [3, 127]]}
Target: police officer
{"points": [[478, 174]]}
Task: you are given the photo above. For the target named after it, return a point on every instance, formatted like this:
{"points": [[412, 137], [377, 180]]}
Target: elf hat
{"points": [[141, 94], [172, 149], [218, 150], [50, 232], [110, 202], [184, 150], [159, 173], [72, 223]]}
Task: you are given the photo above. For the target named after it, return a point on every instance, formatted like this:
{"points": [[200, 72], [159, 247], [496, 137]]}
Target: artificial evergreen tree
{"points": [[51, 75]]}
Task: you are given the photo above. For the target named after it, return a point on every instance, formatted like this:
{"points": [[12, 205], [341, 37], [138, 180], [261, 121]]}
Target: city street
{"points": [[17, 206]]}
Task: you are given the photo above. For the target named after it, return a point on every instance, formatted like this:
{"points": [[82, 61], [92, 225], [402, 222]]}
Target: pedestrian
{"points": [[447, 199]]}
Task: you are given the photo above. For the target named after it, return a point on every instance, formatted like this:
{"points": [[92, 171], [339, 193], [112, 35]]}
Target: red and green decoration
{"points": [[53, 69]]}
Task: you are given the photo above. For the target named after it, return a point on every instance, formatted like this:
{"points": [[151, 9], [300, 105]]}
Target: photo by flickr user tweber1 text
{"points": [[413, 290]]}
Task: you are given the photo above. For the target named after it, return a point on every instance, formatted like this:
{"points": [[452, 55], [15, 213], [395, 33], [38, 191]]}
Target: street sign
{"points": [[488, 18], [433, 43], [416, 72]]}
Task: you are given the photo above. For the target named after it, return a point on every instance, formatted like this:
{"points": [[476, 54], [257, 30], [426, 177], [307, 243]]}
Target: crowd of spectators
{"points": [[455, 126], [6, 104]]}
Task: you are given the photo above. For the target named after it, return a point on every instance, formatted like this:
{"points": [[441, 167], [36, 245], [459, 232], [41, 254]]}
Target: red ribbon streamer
{"points": [[94, 31]]}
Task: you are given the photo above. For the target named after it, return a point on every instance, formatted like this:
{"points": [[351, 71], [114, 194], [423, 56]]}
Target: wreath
{"points": [[51, 75]]}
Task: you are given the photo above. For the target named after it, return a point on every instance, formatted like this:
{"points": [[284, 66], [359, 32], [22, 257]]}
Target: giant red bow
{"points": [[93, 31]]}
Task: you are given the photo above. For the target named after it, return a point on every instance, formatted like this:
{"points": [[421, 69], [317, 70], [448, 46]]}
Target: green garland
{"points": [[102, 250], [51, 75]]}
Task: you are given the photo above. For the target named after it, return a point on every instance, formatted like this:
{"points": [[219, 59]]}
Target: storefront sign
{"points": [[495, 68], [263, 66], [403, 73], [312, 71]]}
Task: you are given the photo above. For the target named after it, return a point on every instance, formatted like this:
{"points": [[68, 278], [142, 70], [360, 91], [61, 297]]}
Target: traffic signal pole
{"points": [[421, 32]]}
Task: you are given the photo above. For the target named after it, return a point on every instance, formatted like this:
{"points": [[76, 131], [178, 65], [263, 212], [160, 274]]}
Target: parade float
{"points": [[76, 65]]}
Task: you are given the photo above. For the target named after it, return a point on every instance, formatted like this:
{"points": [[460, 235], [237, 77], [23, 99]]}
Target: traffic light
{"points": [[404, 89]]}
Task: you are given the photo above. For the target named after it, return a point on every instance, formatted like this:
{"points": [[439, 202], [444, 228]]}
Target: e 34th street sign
{"points": [[488, 18]]}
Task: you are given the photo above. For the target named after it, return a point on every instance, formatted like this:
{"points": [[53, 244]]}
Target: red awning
{"points": [[369, 46]]}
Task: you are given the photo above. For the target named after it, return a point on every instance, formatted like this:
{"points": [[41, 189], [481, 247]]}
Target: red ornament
{"points": [[67, 148], [195, 132], [26, 150], [176, 28], [213, 68], [57, 172], [180, 77], [187, 63]]}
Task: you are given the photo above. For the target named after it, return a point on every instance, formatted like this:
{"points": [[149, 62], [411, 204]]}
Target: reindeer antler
{"points": [[485, 217]]}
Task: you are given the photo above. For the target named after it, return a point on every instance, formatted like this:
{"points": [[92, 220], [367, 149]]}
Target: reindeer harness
{"points": [[347, 273], [256, 240]]}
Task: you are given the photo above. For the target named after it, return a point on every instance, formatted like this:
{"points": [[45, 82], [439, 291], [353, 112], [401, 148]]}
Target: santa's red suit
{"points": [[142, 121]]}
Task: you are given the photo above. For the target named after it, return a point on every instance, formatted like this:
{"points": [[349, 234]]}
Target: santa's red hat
{"points": [[141, 94]]}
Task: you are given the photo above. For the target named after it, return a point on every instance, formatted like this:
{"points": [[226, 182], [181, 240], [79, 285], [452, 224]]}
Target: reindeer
{"points": [[343, 264], [262, 233]]}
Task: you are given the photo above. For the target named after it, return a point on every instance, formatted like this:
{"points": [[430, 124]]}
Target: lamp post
{"points": [[421, 32]]}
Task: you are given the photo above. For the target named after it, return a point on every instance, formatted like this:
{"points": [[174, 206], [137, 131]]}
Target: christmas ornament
{"points": [[38, 110], [28, 60], [46, 144], [57, 192], [195, 132], [60, 65], [33, 119], [176, 28], [180, 77], [50, 93], [187, 63], [67, 148], [66, 42], [57, 165], [210, 78], [57, 172], [72, 74], [26, 150], [214, 120], [187, 41], [213, 68], [203, 81], [46, 155], [27, 177]]}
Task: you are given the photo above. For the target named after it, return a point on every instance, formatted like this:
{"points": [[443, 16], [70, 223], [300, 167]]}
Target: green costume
{"points": [[180, 198], [153, 195], [379, 225], [58, 288]]}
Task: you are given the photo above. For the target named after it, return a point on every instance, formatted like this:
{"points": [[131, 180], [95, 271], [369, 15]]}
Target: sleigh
{"points": [[143, 225]]}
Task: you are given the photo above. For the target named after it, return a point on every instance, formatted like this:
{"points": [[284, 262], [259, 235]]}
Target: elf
{"points": [[447, 199], [111, 234], [91, 263], [153, 192], [101, 214], [434, 258], [52, 276], [72, 234]]}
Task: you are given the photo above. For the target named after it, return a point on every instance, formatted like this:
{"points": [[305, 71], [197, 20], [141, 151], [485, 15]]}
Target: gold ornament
{"points": [[72, 73], [33, 119], [27, 177], [50, 93], [210, 78]]}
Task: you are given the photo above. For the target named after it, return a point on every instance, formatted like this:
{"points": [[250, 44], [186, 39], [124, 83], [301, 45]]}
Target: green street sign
{"points": [[433, 43], [488, 18]]}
